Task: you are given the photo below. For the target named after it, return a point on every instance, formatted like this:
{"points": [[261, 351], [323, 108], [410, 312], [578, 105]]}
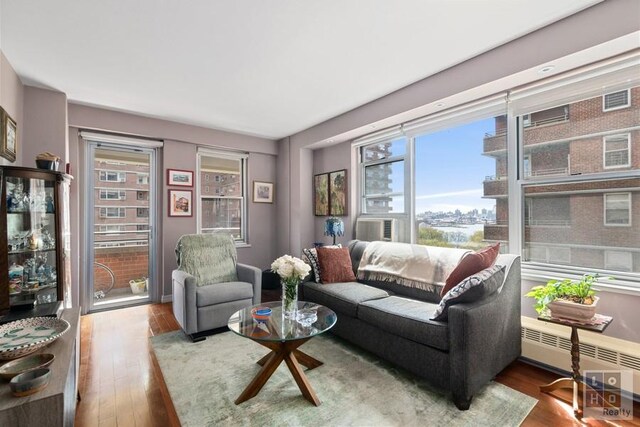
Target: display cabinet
{"points": [[34, 270]]}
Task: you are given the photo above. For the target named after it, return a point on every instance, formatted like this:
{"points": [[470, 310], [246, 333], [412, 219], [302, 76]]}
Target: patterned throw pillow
{"points": [[335, 265], [473, 288], [310, 256]]}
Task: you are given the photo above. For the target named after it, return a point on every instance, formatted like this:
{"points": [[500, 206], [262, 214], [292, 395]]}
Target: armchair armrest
{"points": [[253, 275], [184, 300]]}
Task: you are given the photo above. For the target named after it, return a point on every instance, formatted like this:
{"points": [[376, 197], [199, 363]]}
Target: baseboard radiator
{"points": [[550, 344]]}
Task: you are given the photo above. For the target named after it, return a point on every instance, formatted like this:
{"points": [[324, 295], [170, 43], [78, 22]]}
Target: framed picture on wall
{"points": [[321, 194], [179, 178], [262, 192], [180, 203], [338, 193], [9, 137]]}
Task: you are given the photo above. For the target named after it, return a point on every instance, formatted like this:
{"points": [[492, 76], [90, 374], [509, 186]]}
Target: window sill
{"points": [[242, 245], [604, 285]]}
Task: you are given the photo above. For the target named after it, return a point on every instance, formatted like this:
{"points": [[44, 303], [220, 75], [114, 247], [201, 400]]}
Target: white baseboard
{"points": [[166, 298]]}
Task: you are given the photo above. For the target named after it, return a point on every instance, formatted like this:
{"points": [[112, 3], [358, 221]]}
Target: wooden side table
{"points": [[575, 382]]}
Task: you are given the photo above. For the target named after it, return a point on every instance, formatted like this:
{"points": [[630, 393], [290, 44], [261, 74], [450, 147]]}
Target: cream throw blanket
{"points": [[416, 266]]}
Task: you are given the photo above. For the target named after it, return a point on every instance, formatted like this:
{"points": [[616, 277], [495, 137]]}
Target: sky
{"points": [[450, 168]]}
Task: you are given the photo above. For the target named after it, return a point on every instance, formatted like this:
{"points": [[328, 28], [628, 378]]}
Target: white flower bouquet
{"points": [[291, 271]]}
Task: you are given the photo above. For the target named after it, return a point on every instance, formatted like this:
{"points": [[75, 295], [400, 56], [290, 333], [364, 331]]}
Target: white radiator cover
{"points": [[550, 344]]}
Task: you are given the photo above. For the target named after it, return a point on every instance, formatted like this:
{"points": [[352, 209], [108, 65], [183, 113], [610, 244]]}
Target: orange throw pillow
{"points": [[470, 265], [335, 265]]}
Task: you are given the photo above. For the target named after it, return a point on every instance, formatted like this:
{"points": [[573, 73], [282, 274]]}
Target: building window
{"points": [[112, 212], [142, 212], [618, 260], [143, 179], [113, 176], [222, 211], [142, 195], [383, 170], [615, 100], [112, 194], [616, 151], [617, 209]]}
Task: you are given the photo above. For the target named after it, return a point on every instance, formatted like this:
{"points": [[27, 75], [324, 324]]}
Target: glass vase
{"points": [[290, 299]]}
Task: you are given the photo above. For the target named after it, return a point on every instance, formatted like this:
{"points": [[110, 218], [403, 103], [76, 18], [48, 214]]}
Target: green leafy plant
{"points": [[578, 291]]}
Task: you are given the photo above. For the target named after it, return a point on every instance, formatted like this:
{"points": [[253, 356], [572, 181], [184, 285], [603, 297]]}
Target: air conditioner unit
{"points": [[370, 229]]}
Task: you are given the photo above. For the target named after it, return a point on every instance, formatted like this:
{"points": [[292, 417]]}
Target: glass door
{"points": [[120, 225]]}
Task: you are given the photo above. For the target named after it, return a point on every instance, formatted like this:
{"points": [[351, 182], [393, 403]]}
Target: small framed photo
{"points": [[262, 192], [180, 203], [179, 178], [9, 137]]}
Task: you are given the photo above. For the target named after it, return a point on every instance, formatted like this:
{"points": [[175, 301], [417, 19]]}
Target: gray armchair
{"points": [[209, 285]]}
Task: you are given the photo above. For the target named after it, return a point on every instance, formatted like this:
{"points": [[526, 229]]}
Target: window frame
{"points": [[243, 159], [106, 212], [122, 194], [604, 150], [629, 204], [118, 174], [619, 107]]}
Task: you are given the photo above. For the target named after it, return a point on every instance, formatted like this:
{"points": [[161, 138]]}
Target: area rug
{"points": [[356, 388]]}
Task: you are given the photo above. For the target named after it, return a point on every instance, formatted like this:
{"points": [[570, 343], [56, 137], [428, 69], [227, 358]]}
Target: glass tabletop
{"points": [[275, 327]]}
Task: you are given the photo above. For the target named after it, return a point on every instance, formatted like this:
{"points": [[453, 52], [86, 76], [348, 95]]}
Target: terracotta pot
{"points": [[573, 310]]}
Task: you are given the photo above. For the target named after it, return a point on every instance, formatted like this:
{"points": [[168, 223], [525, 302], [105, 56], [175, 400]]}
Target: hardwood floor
{"points": [[121, 383]]}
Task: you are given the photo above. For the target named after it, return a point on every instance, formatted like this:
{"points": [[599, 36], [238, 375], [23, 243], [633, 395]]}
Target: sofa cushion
{"points": [[310, 256], [471, 289], [218, 293], [342, 297], [335, 265], [471, 264], [407, 318]]}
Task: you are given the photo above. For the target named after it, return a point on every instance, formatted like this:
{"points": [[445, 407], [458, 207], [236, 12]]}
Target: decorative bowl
{"points": [[307, 316], [30, 382], [25, 336], [261, 314], [47, 164], [24, 364], [573, 311]]}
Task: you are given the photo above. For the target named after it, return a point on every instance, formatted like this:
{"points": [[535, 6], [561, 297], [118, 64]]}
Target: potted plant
{"points": [[568, 299]]}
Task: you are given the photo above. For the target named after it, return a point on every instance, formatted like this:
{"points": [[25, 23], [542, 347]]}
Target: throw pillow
{"points": [[335, 265], [310, 256], [471, 289], [471, 264]]}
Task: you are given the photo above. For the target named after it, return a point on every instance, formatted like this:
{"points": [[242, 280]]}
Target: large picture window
{"points": [[222, 193]]}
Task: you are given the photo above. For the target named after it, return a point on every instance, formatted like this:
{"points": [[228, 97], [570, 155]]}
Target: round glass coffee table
{"points": [[283, 337]]}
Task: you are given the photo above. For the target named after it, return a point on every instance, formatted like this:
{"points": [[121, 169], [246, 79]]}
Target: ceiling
{"points": [[269, 68]]}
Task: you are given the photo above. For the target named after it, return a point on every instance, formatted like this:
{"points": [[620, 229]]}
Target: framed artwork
{"points": [[180, 203], [338, 193], [179, 178], [9, 137], [321, 194], [262, 192]]}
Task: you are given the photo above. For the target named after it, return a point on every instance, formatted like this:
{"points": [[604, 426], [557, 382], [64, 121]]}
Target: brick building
{"points": [[221, 195], [121, 218], [588, 213]]}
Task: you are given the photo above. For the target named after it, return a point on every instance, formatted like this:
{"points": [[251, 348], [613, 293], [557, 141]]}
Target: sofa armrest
{"points": [[484, 336], [183, 298], [253, 275]]}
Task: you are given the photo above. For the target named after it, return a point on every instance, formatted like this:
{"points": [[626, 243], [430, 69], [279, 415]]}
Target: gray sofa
{"points": [[392, 321]]}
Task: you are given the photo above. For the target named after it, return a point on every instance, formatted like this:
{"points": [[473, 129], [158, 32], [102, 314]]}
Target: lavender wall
{"points": [[179, 152], [330, 159], [11, 99], [45, 116]]}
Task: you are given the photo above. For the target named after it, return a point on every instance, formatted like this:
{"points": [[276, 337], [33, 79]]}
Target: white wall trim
{"points": [[166, 298]]}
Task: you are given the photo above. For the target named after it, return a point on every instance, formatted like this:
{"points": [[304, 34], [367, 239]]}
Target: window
{"points": [[617, 209], [112, 194], [142, 212], [615, 100], [112, 212], [224, 208], [142, 195], [113, 176], [143, 179], [616, 151], [383, 166]]}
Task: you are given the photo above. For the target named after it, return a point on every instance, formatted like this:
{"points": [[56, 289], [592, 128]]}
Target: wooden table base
{"points": [[289, 353]]}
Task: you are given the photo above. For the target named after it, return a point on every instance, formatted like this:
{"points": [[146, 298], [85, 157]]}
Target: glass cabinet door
{"points": [[31, 238]]}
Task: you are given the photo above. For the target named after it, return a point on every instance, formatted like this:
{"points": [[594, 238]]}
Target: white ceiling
{"points": [[265, 67]]}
